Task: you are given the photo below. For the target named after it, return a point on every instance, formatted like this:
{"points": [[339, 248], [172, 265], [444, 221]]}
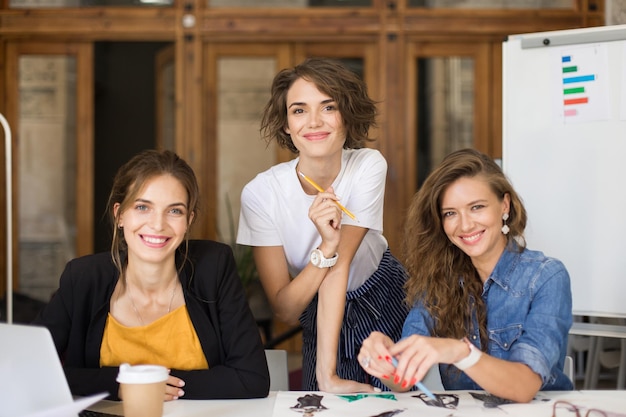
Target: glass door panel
{"points": [[449, 103], [47, 170], [52, 160], [445, 109], [243, 84], [237, 85]]}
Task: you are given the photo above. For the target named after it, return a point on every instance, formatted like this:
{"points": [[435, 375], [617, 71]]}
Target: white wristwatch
{"points": [[318, 259], [471, 359]]}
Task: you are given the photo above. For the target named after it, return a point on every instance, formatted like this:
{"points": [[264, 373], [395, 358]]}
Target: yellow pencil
{"points": [[318, 188]]}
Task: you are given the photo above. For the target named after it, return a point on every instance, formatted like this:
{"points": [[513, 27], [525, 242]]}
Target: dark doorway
{"points": [[125, 117]]}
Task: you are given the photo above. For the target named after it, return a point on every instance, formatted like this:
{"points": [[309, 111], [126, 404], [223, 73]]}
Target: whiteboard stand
{"points": [[9, 219]]}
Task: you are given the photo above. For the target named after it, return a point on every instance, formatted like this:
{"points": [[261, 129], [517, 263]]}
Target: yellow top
{"points": [[170, 341]]}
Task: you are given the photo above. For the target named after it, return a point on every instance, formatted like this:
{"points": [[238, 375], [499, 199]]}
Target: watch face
{"points": [[315, 258]]}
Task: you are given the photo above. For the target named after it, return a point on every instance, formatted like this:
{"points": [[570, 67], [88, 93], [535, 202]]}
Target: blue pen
{"points": [[419, 385]]}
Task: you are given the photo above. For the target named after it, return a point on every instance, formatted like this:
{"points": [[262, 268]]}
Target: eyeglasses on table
{"points": [[562, 408]]}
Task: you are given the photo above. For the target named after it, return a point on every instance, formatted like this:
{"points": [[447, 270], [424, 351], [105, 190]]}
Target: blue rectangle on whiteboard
{"points": [[566, 58], [579, 79]]}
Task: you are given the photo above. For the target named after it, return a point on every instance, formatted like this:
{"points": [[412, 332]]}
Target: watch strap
{"points": [[471, 359], [323, 261]]}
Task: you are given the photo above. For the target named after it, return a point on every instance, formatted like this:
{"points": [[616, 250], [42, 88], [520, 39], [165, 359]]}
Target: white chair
{"points": [[279, 371], [568, 369]]}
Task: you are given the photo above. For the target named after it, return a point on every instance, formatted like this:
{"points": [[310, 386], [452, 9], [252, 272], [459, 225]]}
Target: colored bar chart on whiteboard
{"points": [[583, 93]]}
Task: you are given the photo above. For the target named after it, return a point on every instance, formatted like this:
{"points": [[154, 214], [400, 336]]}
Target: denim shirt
{"points": [[529, 314]]}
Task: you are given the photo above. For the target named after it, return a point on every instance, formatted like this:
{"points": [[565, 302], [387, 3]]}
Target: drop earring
{"points": [[505, 228]]}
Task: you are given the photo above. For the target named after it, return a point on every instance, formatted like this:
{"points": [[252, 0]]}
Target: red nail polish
{"points": [[396, 379], [380, 358], [413, 381], [385, 377], [388, 359], [405, 383]]}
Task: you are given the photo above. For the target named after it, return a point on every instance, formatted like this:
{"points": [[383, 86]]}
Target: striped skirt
{"points": [[377, 305]]}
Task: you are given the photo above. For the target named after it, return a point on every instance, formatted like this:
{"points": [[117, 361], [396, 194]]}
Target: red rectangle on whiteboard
{"points": [[581, 100]]}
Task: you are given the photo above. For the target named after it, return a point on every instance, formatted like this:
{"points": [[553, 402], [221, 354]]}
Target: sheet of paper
{"points": [[320, 404], [71, 409]]}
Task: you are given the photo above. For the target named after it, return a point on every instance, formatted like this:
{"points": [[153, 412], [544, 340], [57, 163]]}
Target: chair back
{"points": [[279, 371], [568, 368]]}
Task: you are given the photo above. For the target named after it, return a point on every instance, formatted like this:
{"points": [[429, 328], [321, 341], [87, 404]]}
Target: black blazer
{"points": [[77, 313]]}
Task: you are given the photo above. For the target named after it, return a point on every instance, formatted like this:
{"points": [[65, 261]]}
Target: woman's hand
{"points": [[376, 359], [326, 216], [173, 388], [417, 354]]}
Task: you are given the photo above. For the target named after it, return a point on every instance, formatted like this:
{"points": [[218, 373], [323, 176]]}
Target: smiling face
{"points": [[472, 219], [313, 120], [155, 223]]}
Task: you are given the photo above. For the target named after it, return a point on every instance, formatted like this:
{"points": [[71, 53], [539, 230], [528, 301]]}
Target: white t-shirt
{"points": [[274, 211]]}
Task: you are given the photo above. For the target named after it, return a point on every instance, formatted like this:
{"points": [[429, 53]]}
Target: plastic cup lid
{"points": [[141, 374]]}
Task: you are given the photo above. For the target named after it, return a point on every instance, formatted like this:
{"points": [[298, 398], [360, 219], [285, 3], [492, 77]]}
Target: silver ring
{"points": [[366, 362]]}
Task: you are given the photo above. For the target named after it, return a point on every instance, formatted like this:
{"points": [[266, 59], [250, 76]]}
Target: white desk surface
{"points": [[613, 402]]}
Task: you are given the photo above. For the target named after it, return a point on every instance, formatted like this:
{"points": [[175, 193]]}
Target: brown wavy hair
{"points": [[130, 180], [435, 265], [358, 111]]}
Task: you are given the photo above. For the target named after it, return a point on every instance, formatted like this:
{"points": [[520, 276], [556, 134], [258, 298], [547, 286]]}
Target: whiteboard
{"points": [[564, 150]]}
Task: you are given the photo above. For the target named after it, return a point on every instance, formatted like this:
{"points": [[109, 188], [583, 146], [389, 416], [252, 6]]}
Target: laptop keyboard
{"points": [[90, 413]]}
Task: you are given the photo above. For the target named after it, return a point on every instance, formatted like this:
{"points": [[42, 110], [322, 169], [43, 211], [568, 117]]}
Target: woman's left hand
{"points": [[173, 388]]}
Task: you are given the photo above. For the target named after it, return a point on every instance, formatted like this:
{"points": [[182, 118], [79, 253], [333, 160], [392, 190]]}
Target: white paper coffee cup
{"points": [[142, 389]]}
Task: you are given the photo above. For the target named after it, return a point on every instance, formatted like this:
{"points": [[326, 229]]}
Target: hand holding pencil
{"points": [[321, 190]]}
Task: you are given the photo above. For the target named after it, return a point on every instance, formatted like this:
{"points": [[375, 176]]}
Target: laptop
{"points": [[32, 381]]}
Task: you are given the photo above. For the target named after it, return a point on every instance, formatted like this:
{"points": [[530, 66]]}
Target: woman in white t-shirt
{"points": [[328, 269]]}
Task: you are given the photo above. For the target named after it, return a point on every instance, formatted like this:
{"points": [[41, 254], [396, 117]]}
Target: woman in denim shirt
{"points": [[494, 315]]}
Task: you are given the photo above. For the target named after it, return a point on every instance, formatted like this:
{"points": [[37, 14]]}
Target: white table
{"points": [[262, 407], [612, 401]]}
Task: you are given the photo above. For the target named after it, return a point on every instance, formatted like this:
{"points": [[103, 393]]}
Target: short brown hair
{"points": [[331, 77]]}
